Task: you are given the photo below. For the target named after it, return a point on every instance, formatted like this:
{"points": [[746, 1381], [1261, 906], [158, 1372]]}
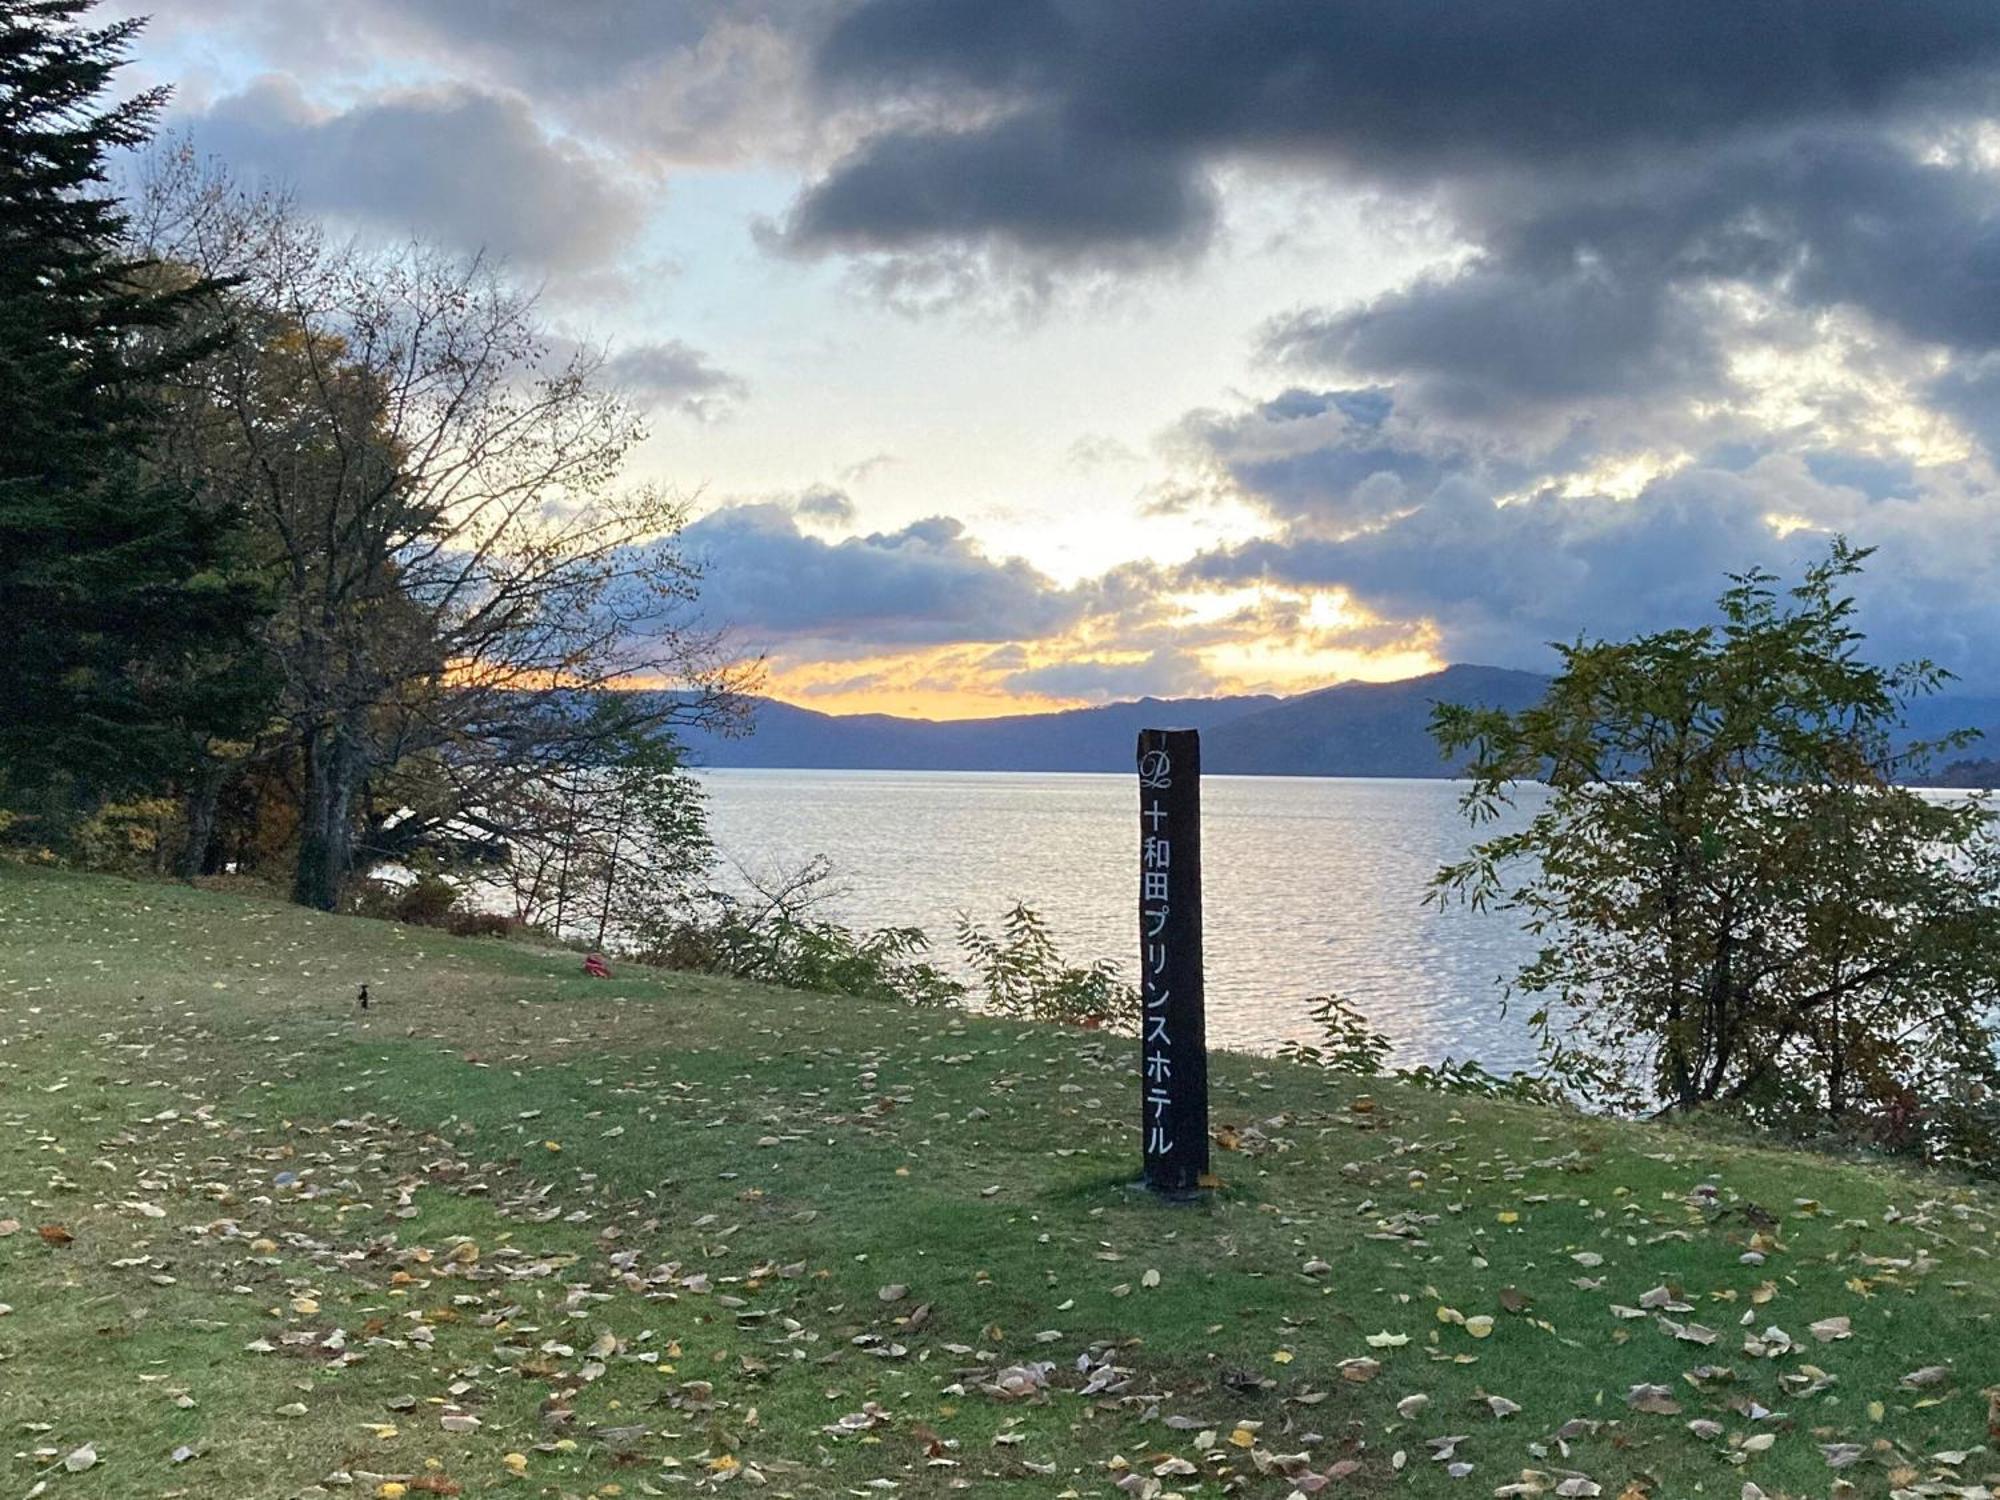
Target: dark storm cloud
{"points": [[468, 167], [674, 376], [1490, 339], [1410, 93], [1588, 291], [1614, 170], [1029, 180], [925, 584]]}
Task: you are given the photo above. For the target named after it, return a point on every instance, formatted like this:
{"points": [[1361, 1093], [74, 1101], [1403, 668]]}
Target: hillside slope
{"points": [[515, 1231]]}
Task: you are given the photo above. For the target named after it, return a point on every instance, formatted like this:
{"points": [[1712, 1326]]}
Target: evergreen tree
{"points": [[125, 621]]}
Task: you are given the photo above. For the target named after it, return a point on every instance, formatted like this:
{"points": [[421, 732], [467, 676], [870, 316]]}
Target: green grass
{"points": [[302, 1237]]}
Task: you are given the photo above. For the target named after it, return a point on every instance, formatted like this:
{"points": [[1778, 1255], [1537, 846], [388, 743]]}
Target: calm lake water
{"points": [[1310, 885]]}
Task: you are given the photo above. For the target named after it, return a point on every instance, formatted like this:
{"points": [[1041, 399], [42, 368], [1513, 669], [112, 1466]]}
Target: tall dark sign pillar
{"points": [[1173, 1041]]}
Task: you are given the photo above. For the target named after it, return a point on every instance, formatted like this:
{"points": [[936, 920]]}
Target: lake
{"points": [[1310, 885]]}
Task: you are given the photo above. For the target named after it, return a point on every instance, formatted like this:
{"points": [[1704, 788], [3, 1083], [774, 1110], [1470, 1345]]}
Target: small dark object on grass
{"points": [[596, 967], [364, 997]]}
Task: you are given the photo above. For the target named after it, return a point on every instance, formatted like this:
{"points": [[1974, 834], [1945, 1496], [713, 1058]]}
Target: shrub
{"points": [[425, 902], [478, 924], [1350, 1044], [1737, 899], [1024, 975], [777, 947]]}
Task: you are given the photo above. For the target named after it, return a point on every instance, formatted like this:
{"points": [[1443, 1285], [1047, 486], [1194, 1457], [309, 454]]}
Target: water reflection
{"points": [[1311, 885]]}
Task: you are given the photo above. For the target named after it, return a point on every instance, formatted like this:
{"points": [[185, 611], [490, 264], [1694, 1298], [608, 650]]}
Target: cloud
{"points": [[1647, 197], [925, 584], [671, 375], [1331, 456], [470, 167], [1497, 578], [1168, 672], [825, 504], [1026, 181], [1407, 95], [1485, 341], [696, 81]]}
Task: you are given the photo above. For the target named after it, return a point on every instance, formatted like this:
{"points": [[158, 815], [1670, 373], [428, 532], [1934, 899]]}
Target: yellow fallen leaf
{"points": [[517, 1463], [389, 1489], [1243, 1437], [1282, 1357], [1508, 1216], [1480, 1326]]}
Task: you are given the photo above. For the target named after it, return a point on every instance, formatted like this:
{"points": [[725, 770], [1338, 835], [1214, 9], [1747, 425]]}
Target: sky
{"points": [[1020, 354]]}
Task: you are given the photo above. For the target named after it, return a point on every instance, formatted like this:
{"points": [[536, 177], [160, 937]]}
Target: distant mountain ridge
{"points": [[1078, 739], [1363, 728], [1349, 729]]}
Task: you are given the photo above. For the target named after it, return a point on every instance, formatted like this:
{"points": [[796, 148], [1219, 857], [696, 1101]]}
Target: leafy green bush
{"points": [[1023, 974], [779, 947], [1018, 971], [1350, 1044]]}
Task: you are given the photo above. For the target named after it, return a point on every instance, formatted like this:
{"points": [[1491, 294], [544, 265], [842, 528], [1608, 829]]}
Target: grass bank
{"points": [[512, 1231]]}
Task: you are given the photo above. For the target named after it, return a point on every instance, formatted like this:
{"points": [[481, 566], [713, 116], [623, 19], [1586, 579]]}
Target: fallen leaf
{"points": [[1658, 1399]]}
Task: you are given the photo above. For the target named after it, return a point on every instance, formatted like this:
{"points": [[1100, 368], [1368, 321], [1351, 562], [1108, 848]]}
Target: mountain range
{"points": [[1350, 729]]}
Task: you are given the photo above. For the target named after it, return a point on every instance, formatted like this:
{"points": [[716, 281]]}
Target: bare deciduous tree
{"points": [[460, 572]]}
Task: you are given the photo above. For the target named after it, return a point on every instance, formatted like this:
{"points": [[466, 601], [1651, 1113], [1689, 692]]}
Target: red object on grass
{"points": [[596, 967]]}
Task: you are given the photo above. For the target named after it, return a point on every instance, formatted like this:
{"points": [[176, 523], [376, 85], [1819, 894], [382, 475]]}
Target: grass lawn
{"points": [[517, 1232]]}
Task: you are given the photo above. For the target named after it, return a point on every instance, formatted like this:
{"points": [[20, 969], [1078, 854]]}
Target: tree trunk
{"points": [[198, 855], [611, 871], [562, 872], [326, 829]]}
